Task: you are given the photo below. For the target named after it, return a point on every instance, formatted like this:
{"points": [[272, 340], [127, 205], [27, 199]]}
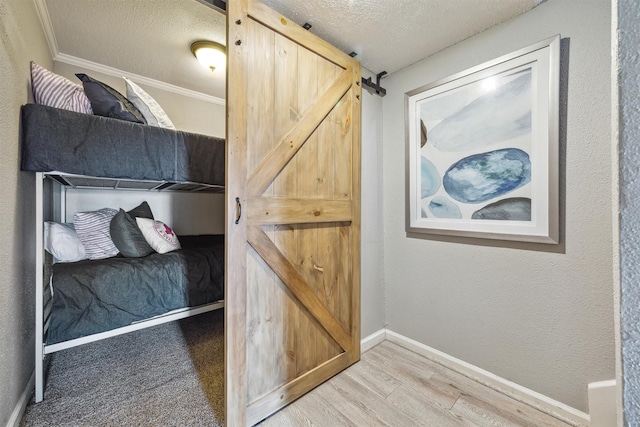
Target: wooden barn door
{"points": [[293, 212]]}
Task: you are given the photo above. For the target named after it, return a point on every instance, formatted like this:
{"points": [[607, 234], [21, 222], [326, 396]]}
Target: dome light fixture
{"points": [[210, 54]]}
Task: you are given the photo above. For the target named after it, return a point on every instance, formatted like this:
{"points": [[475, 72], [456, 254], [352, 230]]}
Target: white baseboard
{"points": [[372, 340], [602, 403], [18, 411], [522, 394]]}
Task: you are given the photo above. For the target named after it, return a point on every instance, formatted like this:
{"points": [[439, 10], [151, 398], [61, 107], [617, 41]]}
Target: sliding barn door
{"points": [[293, 212]]}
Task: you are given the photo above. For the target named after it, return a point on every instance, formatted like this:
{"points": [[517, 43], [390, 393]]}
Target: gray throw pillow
{"points": [[108, 102], [126, 234]]}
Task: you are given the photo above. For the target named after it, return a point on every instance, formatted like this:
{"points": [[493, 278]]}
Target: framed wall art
{"points": [[482, 149]]}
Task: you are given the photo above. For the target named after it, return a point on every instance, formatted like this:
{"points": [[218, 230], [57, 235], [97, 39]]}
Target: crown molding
{"points": [[47, 26], [110, 71], [56, 55]]}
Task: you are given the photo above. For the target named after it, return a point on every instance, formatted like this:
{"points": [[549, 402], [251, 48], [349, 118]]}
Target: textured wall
{"points": [[21, 40], [538, 315], [629, 104], [372, 278]]}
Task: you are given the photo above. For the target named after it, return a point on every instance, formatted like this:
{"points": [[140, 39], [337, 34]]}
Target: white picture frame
{"points": [[482, 149]]}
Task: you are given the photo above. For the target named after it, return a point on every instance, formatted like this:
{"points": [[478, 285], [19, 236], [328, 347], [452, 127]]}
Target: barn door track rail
{"points": [[375, 87], [367, 83]]}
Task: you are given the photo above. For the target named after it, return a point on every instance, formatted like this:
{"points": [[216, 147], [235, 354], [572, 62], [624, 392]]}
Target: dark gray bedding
{"points": [[96, 296], [84, 144]]}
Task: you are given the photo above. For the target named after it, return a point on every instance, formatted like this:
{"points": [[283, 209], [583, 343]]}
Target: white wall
{"points": [[372, 265], [538, 315], [21, 40], [629, 134], [186, 213]]}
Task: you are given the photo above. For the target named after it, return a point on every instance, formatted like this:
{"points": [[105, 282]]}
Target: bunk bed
{"points": [[85, 301]]}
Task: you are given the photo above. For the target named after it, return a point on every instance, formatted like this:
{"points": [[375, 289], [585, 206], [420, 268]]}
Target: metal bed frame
{"points": [[50, 206]]}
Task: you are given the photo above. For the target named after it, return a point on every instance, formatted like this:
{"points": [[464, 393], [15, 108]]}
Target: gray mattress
{"points": [[96, 296], [84, 144]]}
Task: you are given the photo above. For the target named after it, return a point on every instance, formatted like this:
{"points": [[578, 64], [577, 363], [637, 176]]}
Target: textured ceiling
{"points": [[151, 38], [389, 35]]}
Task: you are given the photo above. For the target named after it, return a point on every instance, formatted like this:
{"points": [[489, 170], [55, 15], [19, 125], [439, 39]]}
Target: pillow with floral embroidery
{"points": [[159, 235]]}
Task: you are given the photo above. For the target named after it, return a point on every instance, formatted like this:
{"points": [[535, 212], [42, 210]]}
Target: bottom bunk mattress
{"points": [[97, 296]]}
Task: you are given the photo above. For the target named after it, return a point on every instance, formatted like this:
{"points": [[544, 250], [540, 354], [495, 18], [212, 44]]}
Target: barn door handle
{"points": [[238, 210]]}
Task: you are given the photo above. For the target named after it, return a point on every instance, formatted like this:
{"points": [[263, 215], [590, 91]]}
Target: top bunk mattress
{"points": [[55, 140]]}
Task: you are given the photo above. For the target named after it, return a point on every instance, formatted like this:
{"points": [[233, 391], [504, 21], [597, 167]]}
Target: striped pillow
{"points": [[93, 231], [56, 91]]}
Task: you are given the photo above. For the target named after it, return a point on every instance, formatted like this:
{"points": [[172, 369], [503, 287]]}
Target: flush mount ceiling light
{"points": [[210, 54]]}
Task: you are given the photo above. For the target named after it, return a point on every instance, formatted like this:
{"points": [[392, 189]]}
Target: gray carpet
{"points": [[166, 375]]}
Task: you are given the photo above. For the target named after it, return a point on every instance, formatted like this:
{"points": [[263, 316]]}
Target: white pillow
{"points": [[159, 235], [93, 231], [150, 109], [62, 241]]}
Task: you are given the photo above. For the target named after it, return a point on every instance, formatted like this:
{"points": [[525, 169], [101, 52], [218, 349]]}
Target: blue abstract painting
{"points": [[475, 144], [483, 149]]}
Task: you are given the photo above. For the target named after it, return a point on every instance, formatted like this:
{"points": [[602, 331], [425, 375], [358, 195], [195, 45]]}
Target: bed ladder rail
{"points": [[40, 271], [49, 207]]}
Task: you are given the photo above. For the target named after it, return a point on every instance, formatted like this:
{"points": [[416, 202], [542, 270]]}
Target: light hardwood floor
{"points": [[396, 387]]}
